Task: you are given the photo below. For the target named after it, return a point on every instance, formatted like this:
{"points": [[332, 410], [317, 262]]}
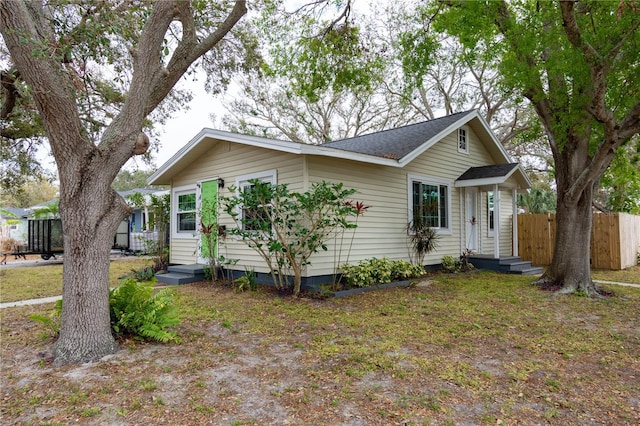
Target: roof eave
{"points": [[348, 155], [495, 140], [497, 180], [480, 182], [162, 175]]}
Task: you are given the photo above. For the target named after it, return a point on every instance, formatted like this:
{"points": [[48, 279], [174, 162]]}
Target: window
{"points": [[490, 209], [463, 142], [186, 211], [430, 202], [255, 219]]}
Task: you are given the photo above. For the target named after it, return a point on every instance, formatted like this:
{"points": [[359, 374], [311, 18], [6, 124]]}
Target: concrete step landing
{"points": [[509, 265], [182, 274]]}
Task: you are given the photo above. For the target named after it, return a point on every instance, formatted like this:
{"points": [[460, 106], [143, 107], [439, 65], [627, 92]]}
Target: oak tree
{"points": [[59, 48], [577, 64]]}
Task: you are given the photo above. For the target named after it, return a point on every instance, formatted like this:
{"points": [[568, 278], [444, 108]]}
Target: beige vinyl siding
{"points": [[382, 229], [228, 160], [183, 251]]}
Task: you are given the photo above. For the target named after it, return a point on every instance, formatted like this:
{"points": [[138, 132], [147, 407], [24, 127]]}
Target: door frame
{"points": [[471, 219]]}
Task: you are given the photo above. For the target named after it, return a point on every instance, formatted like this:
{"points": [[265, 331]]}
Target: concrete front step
{"points": [[515, 266], [194, 269], [534, 270], [508, 264], [175, 278], [182, 274]]}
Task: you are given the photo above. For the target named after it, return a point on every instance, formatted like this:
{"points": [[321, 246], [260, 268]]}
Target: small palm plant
{"points": [[423, 239]]}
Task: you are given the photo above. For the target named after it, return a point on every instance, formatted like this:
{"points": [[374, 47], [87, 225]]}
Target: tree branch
{"points": [[55, 99], [9, 91], [186, 53]]}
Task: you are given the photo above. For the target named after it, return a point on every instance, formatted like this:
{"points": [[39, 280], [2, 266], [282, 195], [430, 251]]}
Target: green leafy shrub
{"points": [[208, 275], [247, 281], [450, 264], [143, 274], [379, 271], [285, 227], [136, 310]]}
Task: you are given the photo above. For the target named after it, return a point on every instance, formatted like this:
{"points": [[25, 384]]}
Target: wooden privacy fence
{"points": [[615, 239]]}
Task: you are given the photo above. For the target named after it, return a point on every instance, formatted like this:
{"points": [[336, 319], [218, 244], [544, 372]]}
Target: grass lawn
{"points": [[482, 348], [45, 281]]}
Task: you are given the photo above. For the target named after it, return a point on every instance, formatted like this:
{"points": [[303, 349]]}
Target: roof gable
{"points": [[399, 142]]}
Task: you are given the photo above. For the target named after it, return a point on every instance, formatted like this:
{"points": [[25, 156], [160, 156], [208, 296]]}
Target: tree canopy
{"points": [[406, 72]]}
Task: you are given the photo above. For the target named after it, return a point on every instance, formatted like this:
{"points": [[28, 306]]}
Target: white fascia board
{"points": [[348, 155], [526, 177], [497, 143], [480, 182], [277, 145], [437, 138], [461, 122], [177, 156]]}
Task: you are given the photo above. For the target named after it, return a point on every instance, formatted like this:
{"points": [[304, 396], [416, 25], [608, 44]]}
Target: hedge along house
{"points": [[454, 164]]}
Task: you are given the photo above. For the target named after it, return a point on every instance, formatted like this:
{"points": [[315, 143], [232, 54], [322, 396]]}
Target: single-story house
{"points": [[142, 225], [454, 162]]}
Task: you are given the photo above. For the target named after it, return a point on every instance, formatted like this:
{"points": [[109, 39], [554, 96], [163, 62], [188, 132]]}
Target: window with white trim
{"points": [[490, 210], [430, 202], [463, 140], [185, 211], [254, 219]]}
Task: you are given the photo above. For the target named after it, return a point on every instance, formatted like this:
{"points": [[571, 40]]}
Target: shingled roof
{"points": [[394, 147], [492, 171], [399, 142]]}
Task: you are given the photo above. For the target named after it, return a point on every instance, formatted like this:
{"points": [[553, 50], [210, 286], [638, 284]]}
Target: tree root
{"points": [[566, 287]]}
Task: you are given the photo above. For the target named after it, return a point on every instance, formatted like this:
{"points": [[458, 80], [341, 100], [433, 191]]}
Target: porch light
{"points": [[220, 183]]}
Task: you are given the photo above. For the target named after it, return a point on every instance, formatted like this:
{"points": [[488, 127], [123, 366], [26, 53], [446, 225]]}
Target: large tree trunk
{"points": [[89, 228], [570, 265]]}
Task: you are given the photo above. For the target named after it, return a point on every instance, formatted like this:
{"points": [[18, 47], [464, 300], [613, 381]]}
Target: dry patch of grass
{"points": [[467, 349], [46, 280]]}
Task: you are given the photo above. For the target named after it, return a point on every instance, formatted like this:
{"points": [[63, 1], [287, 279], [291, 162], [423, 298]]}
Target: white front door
{"points": [[471, 219]]}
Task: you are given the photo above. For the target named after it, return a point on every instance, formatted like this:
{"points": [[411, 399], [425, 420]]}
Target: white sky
{"points": [[188, 122]]}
